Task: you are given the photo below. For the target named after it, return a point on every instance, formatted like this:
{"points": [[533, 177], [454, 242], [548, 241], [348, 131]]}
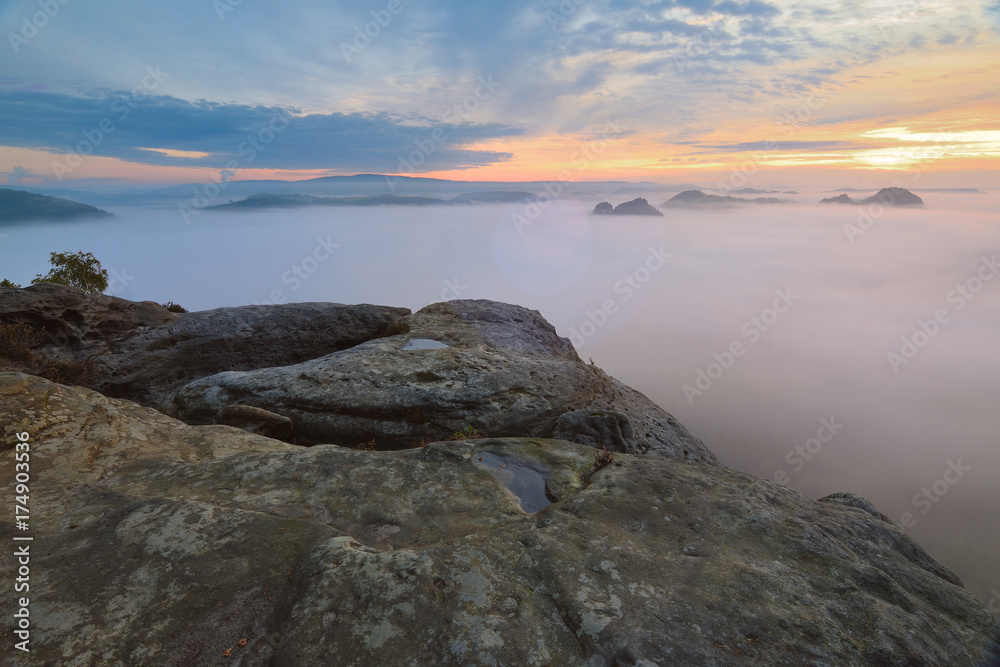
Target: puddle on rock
{"points": [[424, 344], [519, 478]]}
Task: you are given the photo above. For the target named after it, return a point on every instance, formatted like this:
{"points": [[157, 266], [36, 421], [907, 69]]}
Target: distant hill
{"points": [[358, 185], [263, 201], [754, 191], [296, 201], [973, 191], [699, 199], [495, 197], [20, 206], [886, 196], [839, 199], [638, 206]]}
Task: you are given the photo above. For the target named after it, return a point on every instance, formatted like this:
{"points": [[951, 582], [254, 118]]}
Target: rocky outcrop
{"points": [[894, 197], [78, 323], [503, 370], [638, 206], [497, 368], [148, 366], [158, 543], [839, 199], [886, 196], [143, 352]]}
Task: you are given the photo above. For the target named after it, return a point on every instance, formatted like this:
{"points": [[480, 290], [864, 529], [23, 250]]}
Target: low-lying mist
{"points": [[771, 332]]}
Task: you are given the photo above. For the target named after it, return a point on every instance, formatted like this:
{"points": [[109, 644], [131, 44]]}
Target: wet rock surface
{"points": [[159, 543]]}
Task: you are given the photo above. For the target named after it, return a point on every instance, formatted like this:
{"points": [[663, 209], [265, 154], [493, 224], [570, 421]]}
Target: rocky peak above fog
{"points": [[637, 206], [893, 196]]}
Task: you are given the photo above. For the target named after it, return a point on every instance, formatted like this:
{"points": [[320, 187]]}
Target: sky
{"points": [[708, 91]]}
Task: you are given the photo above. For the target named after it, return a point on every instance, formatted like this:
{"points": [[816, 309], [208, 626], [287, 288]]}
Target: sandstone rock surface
{"points": [[149, 365], [158, 543], [143, 352], [497, 368], [76, 321]]}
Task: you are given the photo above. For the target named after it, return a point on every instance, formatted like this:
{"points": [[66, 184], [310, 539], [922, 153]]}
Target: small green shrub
{"points": [[467, 433], [415, 416], [67, 372], [7, 283], [397, 328], [16, 340]]}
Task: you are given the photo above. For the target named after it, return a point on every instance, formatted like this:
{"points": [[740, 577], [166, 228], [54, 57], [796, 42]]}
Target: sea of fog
{"points": [[867, 350]]}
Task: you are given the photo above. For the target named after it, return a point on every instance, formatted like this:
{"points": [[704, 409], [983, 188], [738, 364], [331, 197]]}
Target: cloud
{"points": [[690, 65], [18, 173], [164, 130], [947, 39], [751, 8], [791, 146]]}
